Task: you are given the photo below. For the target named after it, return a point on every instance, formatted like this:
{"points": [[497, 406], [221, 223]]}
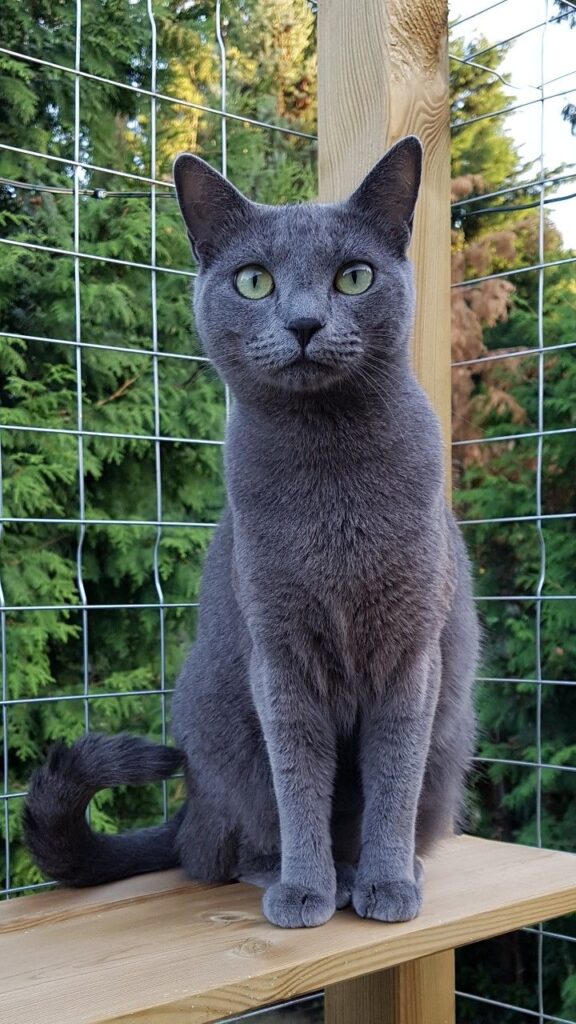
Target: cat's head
{"points": [[307, 297]]}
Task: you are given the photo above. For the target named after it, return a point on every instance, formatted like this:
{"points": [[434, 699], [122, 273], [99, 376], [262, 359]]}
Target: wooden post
{"points": [[382, 74], [417, 992]]}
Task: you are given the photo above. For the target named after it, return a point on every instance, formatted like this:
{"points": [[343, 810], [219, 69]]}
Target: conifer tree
{"points": [[38, 379]]}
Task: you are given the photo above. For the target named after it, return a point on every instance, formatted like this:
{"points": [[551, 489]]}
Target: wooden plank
{"points": [[196, 955], [418, 992], [382, 74], [60, 904]]}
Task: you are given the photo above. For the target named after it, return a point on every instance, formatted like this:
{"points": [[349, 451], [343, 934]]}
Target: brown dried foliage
{"points": [[479, 388]]}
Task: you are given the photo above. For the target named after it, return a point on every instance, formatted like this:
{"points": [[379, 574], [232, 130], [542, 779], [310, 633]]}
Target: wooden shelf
{"points": [[157, 949]]}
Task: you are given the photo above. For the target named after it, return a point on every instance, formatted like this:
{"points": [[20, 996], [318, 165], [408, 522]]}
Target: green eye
{"points": [[354, 278], [253, 282]]}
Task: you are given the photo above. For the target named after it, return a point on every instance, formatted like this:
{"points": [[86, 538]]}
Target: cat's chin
{"points": [[306, 375]]}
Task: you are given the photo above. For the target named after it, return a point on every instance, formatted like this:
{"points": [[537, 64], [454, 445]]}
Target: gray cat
{"points": [[325, 713]]}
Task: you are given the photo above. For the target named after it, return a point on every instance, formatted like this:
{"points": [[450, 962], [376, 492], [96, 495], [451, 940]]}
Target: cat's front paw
{"points": [[295, 906], [398, 900]]}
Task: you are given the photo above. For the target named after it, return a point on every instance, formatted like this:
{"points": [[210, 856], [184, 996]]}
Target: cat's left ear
{"points": [[210, 205], [389, 191]]}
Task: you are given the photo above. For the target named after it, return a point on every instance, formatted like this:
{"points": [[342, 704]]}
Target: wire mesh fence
{"points": [[112, 423], [546, 527]]}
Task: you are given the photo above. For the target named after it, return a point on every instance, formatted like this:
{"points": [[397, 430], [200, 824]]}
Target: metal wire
{"points": [[301, 1001], [102, 193], [508, 110], [104, 695], [517, 35], [110, 606], [76, 254], [526, 597], [552, 200], [79, 384], [548, 516], [533, 682], [156, 390], [170, 523], [153, 94], [506, 82], [495, 74], [515, 437], [542, 265], [17, 890], [539, 765], [78, 170], [105, 522], [4, 685], [516, 1009], [91, 193], [520, 187], [538, 519], [69, 162], [223, 88], [223, 129], [477, 14], [514, 354], [539, 530], [552, 935], [185, 356], [26, 428]]}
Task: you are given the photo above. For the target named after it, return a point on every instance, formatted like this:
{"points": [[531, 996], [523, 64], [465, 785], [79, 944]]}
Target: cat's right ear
{"points": [[210, 205], [389, 191]]}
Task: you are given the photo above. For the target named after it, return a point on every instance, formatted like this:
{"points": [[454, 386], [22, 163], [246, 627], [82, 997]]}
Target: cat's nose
{"points": [[304, 328]]}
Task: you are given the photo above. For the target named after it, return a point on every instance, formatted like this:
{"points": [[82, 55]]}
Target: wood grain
{"points": [[180, 953], [418, 992], [382, 74], [62, 904]]}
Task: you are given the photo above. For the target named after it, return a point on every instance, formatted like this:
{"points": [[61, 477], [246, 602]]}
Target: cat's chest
{"points": [[353, 588], [332, 534], [353, 568]]}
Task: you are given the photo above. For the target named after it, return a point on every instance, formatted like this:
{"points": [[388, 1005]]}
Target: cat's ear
{"points": [[389, 191], [210, 205]]}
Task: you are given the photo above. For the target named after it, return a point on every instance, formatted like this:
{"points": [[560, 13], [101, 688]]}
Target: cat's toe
{"points": [[295, 906], [398, 900], [345, 876]]}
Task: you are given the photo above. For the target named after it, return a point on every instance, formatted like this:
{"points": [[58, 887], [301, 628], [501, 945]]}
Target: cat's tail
{"points": [[56, 832]]}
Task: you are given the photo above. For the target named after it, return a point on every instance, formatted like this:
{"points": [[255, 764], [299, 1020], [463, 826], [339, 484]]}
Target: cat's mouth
{"points": [[305, 360], [306, 373]]}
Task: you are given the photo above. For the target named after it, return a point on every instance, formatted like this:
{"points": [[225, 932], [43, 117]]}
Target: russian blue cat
{"points": [[324, 715]]}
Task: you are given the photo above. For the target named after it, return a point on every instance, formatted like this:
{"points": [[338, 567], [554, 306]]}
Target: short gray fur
{"points": [[325, 711]]}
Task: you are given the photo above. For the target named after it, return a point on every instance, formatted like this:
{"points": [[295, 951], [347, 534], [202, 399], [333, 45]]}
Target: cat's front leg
{"points": [[301, 746], [394, 742]]}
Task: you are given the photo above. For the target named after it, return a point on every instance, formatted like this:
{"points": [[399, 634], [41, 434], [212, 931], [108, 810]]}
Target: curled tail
{"points": [[55, 828]]}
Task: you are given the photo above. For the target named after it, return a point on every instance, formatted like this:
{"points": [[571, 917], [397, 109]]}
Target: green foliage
{"points": [[117, 401], [480, 147], [499, 480], [271, 77]]}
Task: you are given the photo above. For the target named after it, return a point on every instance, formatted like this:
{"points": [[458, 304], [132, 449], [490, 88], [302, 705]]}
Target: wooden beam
{"points": [[382, 74], [418, 992], [160, 950]]}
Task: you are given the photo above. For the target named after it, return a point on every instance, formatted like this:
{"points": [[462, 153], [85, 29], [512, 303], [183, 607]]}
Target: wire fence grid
{"points": [[154, 190]]}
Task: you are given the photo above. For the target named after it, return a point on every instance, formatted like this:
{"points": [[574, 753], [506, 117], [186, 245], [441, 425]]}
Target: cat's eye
{"points": [[354, 278], [253, 281]]}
